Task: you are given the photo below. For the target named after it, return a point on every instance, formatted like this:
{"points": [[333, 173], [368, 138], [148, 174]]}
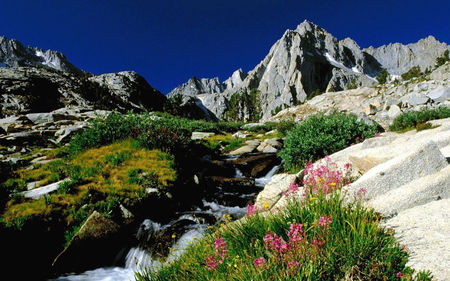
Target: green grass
{"points": [[354, 248], [101, 178]]}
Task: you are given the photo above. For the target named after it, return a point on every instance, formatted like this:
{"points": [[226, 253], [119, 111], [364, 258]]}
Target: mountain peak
{"points": [[14, 54]]}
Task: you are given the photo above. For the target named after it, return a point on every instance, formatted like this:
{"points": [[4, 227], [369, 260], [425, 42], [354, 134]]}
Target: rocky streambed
{"points": [[109, 249]]}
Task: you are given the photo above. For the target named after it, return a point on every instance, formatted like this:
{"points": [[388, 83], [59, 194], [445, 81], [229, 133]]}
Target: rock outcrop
{"points": [[398, 58], [380, 104], [34, 90], [405, 178]]}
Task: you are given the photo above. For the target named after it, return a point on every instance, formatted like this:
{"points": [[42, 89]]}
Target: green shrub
{"points": [[351, 85], [105, 130], [442, 59], [284, 126], [319, 135], [411, 119], [382, 77], [167, 135], [412, 73]]}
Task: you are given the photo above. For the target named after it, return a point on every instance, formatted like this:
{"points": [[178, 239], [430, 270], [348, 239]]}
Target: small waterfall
{"points": [[261, 182], [238, 174]]}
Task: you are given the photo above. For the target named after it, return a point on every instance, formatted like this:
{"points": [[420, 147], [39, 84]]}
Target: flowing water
{"points": [[194, 224]]}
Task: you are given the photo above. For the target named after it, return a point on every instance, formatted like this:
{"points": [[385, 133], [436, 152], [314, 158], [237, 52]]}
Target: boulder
{"points": [[39, 192], [201, 135], [65, 134], [419, 162], [40, 118], [241, 135], [96, 244], [418, 192], [424, 231], [244, 150], [440, 94], [257, 165], [273, 191]]}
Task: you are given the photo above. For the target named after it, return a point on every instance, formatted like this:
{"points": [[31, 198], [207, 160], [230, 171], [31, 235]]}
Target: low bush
{"points": [[411, 119], [412, 73], [319, 135]]}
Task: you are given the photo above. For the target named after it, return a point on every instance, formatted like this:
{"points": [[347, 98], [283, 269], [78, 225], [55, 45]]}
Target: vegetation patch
{"points": [[413, 119], [316, 237], [319, 135], [100, 179]]}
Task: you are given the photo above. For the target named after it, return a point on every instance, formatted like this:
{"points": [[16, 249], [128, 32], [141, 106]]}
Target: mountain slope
{"points": [[309, 60]]}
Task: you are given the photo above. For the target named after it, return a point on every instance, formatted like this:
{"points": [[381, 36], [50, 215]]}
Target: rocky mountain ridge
{"points": [[307, 61], [33, 80], [13, 54]]}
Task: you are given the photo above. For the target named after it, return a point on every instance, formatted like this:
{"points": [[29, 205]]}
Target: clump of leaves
{"points": [[321, 134]]}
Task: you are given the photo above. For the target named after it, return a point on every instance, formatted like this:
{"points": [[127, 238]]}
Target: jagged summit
{"points": [[13, 54], [308, 60]]}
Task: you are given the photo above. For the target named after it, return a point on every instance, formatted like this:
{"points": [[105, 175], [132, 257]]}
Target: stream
{"points": [[192, 225]]}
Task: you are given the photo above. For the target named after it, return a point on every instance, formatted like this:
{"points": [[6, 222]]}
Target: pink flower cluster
{"points": [[325, 222], [221, 251], [325, 178], [251, 209], [260, 262], [292, 191], [297, 250]]}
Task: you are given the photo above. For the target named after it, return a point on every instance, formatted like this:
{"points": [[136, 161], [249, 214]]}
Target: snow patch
{"points": [[355, 69], [47, 61], [334, 62]]}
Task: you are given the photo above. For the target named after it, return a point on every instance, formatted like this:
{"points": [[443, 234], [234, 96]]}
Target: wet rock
{"points": [[257, 165], [95, 245]]}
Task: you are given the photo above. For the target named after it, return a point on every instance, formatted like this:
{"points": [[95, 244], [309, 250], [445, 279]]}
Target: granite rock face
{"points": [[26, 90], [398, 58]]}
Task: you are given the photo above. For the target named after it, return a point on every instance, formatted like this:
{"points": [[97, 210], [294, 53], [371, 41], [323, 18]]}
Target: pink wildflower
{"points": [[221, 251], [295, 233], [361, 192], [292, 264], [399, 274], [325, 222], [259, 262], [275, 244], [211, 263], [251, 209]]}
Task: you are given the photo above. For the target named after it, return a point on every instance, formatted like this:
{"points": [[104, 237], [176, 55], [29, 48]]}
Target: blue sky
{"points": [[168, 42]]}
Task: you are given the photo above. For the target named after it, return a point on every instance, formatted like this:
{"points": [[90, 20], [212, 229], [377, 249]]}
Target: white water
{"points": [[261, 182]]}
